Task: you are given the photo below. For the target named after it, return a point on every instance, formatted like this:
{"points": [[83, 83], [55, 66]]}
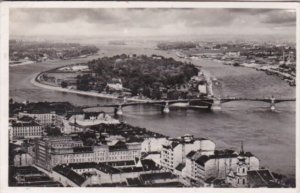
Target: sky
{"points": [[135, 22]]}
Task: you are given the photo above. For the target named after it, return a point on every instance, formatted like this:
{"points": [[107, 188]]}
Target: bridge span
{"points": [[213, 103]]}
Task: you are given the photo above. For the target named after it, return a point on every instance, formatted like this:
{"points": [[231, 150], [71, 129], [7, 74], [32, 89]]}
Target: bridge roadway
{"points": [[211, 103]]}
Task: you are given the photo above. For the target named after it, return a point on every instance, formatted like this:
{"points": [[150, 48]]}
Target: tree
{"points": [[64, 84], [53, 131]]}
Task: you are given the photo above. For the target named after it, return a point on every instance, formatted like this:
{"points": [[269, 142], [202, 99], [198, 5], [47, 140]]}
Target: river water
{"points": [[268, 135]]}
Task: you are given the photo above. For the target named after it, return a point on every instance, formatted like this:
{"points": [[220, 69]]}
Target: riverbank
{"points": [[35, 81], [50, 60]]}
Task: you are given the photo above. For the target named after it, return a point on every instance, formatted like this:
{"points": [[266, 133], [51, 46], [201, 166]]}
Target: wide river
{"points": [[268, 135]]}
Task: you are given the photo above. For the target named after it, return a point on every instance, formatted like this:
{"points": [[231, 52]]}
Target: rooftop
{"points": [[180, 166], [135, 182], [25, 124], [85, 149], [30, 176], [107, 169], [261, 178], [157, 176], [217, 155], [186, 139], [26, 119], [149, 165], [70, 174]]}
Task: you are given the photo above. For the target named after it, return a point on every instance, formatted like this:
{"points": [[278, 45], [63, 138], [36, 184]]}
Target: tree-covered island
{"points": [[151, 77]]}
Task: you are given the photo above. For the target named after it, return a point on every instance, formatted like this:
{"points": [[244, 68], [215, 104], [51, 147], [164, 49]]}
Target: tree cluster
{"points": [[176, 45], [141, 74]]}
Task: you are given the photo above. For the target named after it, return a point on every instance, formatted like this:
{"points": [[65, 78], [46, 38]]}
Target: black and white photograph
{"points": [[172, 97]]}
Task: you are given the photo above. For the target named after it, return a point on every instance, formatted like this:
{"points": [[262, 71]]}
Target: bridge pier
{"points": [[118, 110], [272, 107], [166, 108], [216, 106]]}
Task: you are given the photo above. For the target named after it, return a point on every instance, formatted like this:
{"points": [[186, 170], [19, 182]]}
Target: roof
{"points": [[166, 184], [217, 155], [85, 149], [70, 174], [186, 139], [202, 159], [191, 154], [261, 178], [131, 169], [107, 169], [30, 124], [180, 166], [157, 176], [26, 118], [118, 146], [133, 182], [27, 170], [149, 165], [121, 163], [82, 165], [99, 166]]}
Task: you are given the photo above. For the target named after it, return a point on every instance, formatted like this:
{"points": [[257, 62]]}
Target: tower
{"points": [[242, 168]]}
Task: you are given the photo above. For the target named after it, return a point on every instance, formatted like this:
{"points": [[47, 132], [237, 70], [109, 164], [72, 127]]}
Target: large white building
{"points": [[153, 144], [23, 130], [174, 151], [43, 118], [79, 122], [50, 152]]}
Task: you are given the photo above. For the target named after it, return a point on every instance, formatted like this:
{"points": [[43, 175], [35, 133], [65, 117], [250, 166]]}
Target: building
{"points": [[219, 165], [158, 179], [47, 113], [44, 148], [115, 85], [153, 144], [30, 176], [97, 174], [50, 152], [43, 117], [80, 122], [21, 130], [239, 178], [174, 151], [233, 54], [22, 159]]}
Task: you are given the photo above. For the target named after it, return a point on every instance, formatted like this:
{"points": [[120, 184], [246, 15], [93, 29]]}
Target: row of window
{"points": [[28, 134]]}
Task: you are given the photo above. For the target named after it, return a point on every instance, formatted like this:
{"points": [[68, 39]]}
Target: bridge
{"points": [[213, 103]]}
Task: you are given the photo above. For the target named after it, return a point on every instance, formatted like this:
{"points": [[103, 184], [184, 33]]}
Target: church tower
{"points": [[241, 170]]}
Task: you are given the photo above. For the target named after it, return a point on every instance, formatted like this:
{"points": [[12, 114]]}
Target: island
{"points": [[134, 77]]}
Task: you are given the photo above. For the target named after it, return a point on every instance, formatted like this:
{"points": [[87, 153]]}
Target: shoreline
{"points": [[35, 82]]}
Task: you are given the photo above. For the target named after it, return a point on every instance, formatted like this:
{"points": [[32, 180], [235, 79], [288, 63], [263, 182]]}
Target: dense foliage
{"points": [[176, 45], [139, 74]]}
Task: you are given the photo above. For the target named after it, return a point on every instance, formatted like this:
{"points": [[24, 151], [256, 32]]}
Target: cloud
{"points": [[280, 18], [155, 21]]}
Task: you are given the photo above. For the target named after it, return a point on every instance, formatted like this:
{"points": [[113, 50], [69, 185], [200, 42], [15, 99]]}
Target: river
{"points": [[268, 135]]}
